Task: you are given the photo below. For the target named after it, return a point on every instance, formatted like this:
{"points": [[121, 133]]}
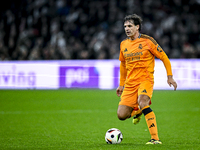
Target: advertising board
{"points": [[99, 74]]}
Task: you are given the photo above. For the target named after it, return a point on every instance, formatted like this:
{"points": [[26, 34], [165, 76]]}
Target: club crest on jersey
{"points": [[140, 46], [125, 50]]}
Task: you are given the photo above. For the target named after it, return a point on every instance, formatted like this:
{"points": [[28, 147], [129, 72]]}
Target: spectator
{"points": [[90, 29]]}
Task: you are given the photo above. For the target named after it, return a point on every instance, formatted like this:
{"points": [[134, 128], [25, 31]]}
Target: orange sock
{"points": [[135, 112], [151, 122]]}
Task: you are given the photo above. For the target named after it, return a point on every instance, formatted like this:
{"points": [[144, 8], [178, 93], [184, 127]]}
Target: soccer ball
{"points": [[113, 136]]}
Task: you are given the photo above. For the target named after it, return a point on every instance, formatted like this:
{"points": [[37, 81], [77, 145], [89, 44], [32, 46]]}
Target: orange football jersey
{"points": [[138, 60]]}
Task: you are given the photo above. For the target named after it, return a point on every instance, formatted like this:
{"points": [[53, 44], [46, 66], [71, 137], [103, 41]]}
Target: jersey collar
{"points": [[139, 36]]}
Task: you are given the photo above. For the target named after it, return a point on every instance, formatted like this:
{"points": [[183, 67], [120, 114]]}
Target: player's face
{"points": [[130, 28]]}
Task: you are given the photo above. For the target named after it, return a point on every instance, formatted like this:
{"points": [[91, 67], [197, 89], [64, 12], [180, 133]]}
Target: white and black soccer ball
{"points": [[113, 136]]}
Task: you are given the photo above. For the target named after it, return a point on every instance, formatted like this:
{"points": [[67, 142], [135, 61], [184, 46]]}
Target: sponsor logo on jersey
{"points": [[133, 56]]}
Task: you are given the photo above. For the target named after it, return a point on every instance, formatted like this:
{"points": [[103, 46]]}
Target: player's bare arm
{"points": [[171, 81], [119, 90]]}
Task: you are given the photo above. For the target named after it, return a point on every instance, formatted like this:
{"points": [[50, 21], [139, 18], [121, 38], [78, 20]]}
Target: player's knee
{"points": [[122, 115], [124, 112]]}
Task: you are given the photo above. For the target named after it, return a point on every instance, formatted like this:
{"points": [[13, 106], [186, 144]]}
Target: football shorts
{"points": [[130, 95]]}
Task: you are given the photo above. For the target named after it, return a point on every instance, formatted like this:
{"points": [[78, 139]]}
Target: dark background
{"points": [[93, 29]]}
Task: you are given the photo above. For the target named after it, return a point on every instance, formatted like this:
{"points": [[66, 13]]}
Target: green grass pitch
{"points": [[76, 119]]}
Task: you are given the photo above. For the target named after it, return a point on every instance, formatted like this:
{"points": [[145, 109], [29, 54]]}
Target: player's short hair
{"points": [[137, 20]]}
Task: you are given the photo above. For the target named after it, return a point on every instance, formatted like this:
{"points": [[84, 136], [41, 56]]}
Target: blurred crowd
{"points": [[93, 29]]}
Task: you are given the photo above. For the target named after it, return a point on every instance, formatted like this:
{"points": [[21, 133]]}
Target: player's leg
{"points": [[124, 112], [150, 118], [128, 105], [145, 93]]}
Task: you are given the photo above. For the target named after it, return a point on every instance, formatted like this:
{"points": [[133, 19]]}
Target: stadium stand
{"points": [[93, 29]]}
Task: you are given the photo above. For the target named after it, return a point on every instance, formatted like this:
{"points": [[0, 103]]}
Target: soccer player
{"points": [[137, 56]]}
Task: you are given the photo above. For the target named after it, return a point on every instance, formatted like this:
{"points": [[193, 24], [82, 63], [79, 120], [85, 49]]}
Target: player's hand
{"points": [[171, 82], [119, 90]]}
